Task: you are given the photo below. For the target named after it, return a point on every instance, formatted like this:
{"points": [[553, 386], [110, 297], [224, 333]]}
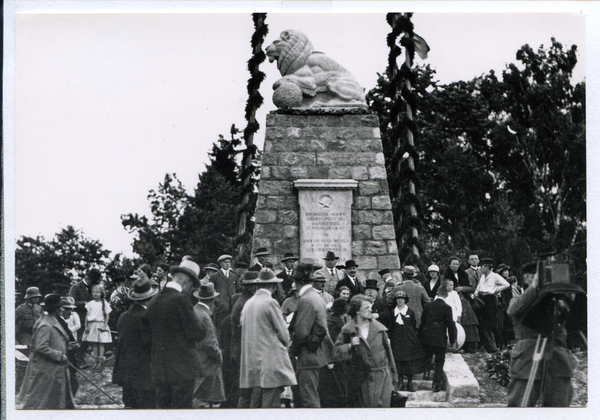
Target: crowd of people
{"points": [[311, 335]]}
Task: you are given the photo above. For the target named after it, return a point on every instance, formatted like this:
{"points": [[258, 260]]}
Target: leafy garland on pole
{"points": [[404, 177], [255, 100]]}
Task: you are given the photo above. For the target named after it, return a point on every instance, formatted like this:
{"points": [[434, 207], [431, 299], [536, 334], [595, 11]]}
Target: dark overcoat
{"points": [[431, 291], [175, 331], [133, 355], [209, 385], [354, 290], [225, 286], [82, 295], [437, 324], [236, 326], [403, 338], [46, 384], [310, 341]]}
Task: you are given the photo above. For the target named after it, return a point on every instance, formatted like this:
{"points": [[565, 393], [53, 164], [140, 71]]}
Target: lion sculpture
{"points": [[310, 78]]}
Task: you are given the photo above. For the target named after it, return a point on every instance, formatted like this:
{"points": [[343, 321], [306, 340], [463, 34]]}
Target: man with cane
{"points": [[541, 367]]}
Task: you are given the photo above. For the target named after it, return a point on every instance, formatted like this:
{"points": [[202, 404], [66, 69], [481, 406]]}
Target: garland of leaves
{"points": [[255, 100], [403, 179]]}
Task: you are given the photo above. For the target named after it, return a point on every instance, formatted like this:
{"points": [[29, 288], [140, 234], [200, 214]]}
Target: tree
{"points": [[53, 265], [538, 146]]}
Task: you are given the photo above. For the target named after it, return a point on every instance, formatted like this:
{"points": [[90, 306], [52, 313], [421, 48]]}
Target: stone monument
{"points": [[323, 184]]}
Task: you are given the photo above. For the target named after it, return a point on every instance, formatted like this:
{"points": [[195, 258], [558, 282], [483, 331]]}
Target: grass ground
{"points": [[491, 392]]}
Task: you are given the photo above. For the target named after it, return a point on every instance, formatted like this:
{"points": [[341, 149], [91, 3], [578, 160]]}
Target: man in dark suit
{"points": [[225, 281], [133, 357], [82, 293], [473, 272], [350, 280], [436, 325], [175, 332], [262, 259], [310, 341], [378, 308], [288, 261]]}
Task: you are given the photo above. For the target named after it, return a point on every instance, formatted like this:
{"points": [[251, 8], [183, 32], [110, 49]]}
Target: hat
{"points": [[142, 289], [267, 276], [206, 292], [249, 277], [289, 257], [261, 251], [52, 302], [390, 283], [502, 267], [224, 257], [487, 261], [188, 267], [303, 272], [67, 302], [371, 284], [409, 272], [384, 271], [241, 264], [340, 267], [187, 257], [118, 279], [293, 287], [94, 275], [401, 294], [331, 256], [212, 267], [165, 267], [32, 292], [319, 276], [351, 263], [433, 267]]}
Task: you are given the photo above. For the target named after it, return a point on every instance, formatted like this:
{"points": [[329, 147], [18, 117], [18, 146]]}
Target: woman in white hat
{"points": [[433, 282]]}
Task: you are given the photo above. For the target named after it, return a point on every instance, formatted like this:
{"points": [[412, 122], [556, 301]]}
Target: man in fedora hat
{"points": [[265, 361], [225, 282], [82, 293], [26, 314], [378, 308], [209, 271], [262, 259], [242, 398], [350, 280], [285, 286], [209, 385], [311, 343], [175, 332], [332, 274], [490, 284], [133, 355], [417, 296], [319, 286]]}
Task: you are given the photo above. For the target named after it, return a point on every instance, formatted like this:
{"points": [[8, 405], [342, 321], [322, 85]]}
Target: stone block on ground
{"points": [[461, 383]]}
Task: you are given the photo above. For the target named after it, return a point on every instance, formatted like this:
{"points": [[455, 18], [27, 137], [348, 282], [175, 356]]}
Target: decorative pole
{"points": [[255, 100]]}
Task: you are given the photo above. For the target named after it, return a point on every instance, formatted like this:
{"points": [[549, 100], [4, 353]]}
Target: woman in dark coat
{"points": [[364, 343], [333, 390], [468, 318], [47, 383], [406, 347]]}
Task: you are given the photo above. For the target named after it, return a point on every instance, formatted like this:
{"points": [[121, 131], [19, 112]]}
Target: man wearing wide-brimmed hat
{"points": [[209, 385], [332, 274], [288, 262], [350, 280], [209, 271], [26, 314], [225, 281], [175, 332], [262, 259], [265, 361], [133, 355], [240, 399], [310, 341]]}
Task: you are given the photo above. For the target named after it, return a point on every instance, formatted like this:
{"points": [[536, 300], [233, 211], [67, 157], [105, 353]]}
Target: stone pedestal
{"points": [[327, 159]]}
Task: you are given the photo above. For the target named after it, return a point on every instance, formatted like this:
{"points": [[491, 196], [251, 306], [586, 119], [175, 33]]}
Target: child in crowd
{"points": [[96, 324], [453, 300]]}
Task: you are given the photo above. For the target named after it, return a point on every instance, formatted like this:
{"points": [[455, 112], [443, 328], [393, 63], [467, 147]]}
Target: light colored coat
{"points": [[265, 360], [46, 384], [331, 281]]}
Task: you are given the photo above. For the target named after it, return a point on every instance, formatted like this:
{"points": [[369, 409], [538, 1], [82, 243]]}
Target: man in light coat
{"points": [[265, 361], [310, 339], [332, 274]]}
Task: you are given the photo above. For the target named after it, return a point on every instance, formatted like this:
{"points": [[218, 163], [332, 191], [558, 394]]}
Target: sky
{"points": [[107, 103]]}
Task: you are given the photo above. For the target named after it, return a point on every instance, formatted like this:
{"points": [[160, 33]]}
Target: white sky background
{"points": [[106, 104]]}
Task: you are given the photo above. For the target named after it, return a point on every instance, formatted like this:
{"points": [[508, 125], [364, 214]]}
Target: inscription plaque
{"points": [[325, 218]]}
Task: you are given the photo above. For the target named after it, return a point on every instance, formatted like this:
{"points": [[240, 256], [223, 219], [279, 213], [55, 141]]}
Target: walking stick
{"points": [[90, 381], [537, 356]]}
